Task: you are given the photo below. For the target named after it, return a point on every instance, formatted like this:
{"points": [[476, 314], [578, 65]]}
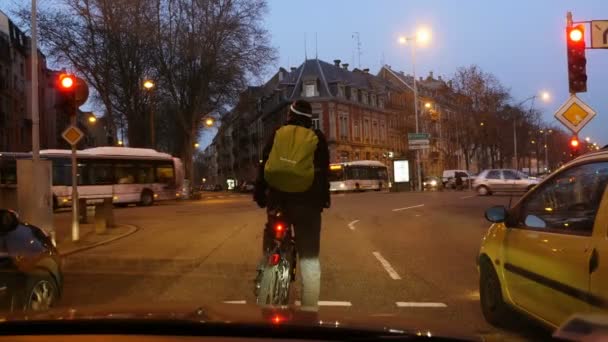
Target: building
{"points": [[349, 106], [15, 93]]}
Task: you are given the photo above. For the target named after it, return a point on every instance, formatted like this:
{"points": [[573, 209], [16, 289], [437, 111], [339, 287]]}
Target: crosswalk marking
{"points": [[412, 207], [328, 303]]}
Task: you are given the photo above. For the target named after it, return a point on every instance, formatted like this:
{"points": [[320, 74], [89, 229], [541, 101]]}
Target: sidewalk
{"points": [[88, 238], [206, 195]]}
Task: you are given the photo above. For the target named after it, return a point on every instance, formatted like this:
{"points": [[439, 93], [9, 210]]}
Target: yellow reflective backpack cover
{"points": [[290, 165]]}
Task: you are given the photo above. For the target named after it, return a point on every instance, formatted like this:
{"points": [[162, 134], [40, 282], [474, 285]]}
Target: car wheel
{"points": [[483, 191], [147, 198], [493, 307], [41, 293]]}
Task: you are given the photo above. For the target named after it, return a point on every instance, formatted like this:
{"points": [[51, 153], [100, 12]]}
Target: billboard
{"points": [[402, 171]]}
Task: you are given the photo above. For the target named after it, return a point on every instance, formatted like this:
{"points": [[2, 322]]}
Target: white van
{"points": [[450, 175]]}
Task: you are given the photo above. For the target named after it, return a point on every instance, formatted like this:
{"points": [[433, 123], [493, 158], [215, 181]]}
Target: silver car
{"points": [[503, 180]]}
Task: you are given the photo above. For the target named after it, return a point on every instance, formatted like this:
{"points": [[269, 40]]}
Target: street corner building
{"points": [[364, 117]]}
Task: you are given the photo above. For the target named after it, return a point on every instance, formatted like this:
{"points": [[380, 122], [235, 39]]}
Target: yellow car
{"points": [[547, 256]]}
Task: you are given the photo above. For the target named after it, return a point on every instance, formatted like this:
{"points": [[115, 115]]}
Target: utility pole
{"points": [[418, 170], [34, 99]]}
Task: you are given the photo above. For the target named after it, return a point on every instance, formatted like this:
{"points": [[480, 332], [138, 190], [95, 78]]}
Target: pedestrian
{"points": [[458, 181], [293, 175]]}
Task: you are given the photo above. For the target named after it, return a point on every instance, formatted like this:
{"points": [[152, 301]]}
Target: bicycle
{"points": [[278, 269]]}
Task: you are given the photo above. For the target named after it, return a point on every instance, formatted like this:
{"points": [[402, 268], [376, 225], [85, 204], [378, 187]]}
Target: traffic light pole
{"points": [[418, 166]]}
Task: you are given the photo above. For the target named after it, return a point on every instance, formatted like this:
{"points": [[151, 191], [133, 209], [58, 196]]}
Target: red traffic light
{"points": [[574, 142], [66, 82], [576, 34]]}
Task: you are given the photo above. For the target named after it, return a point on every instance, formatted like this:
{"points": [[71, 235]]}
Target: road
{"points": [[409, 256]]}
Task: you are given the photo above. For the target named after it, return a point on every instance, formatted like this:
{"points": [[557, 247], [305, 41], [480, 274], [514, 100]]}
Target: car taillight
{"points": [[274, 259], [279, 230], [277, 319]]}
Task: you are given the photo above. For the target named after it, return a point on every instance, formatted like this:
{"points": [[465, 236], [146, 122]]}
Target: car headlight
{"points": [[424, 183], [433, 183]]}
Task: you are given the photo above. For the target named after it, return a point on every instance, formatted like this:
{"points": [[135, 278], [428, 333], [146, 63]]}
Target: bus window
{"points": [[8, 172], [100, 173], [125, 173], [62, 172], [336, 175], [357, 172], [382, 174], [145, 174], [165, 174]]}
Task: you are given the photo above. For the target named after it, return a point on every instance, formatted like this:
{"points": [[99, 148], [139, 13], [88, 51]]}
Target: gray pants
{"points": [[306, 221]]}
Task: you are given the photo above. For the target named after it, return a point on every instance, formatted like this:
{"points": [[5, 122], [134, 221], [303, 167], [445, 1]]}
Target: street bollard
{"points": [[82, 210], [100, 219], [108, 209]]}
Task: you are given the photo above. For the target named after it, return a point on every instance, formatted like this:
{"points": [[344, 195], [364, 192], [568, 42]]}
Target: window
{"points": [[343, 127], [354, 95], [316, 123], [356, 129], [310, 90], [508, 174], [8, 172], [341, 90], [364, 97], [164, 174], [375, 131], [373, 100], [568, 202], [126, 173], [382, 135], [366, 130], [493, 174], [145, 174]]}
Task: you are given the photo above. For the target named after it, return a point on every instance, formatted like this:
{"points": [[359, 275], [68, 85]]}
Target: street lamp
{"points": [[587, 139], [546, 97], [196, 145], [427, 105], [148, 86], [92, 119], [209, 122], [422, 36], [120, 142]]}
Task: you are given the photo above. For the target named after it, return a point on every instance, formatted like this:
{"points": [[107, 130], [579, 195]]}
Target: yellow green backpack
{"points": [[290, 165]]}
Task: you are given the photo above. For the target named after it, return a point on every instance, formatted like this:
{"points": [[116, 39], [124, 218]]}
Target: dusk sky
{"points": [[521, 42]]}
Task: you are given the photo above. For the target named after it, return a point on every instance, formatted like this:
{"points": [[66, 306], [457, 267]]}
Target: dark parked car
{"points": [[30, 266]]}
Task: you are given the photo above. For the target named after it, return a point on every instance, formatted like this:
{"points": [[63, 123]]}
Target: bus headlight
{"points": [[342, 185]]}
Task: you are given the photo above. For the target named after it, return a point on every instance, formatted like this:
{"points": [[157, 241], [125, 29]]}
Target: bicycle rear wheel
{"points": [[276, 284]]}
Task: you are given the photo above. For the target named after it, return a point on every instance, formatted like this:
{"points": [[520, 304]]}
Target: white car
{"points": [[503, 180]]}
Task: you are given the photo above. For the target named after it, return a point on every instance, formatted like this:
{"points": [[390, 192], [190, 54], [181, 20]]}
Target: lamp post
{"points": [[545, 96], [149, 86], [422, 36]]}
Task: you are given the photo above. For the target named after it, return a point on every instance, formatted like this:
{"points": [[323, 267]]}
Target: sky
{"points": [[521, 42]]}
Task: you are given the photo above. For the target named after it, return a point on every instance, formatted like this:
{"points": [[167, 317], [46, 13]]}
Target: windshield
{"points": [[320, 155]]}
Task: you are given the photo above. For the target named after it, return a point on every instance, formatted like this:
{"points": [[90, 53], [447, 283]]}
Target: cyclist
{"points": [[293, 175]]}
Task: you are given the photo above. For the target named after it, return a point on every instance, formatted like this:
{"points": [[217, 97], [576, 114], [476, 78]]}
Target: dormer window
{"points": [[341, 90], [364, 97], [354, 94], [373, 100], [310, 90]]}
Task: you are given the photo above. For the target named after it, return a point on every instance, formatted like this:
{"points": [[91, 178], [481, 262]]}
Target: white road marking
{"points": [[387, 266], [352, 224], [421, 305], [465, 197], [412, 207], [328, 303], [235, 302]]}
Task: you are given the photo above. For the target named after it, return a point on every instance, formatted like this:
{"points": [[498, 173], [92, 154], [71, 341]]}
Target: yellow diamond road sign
{"points": [[574, 114], [72, 135]]}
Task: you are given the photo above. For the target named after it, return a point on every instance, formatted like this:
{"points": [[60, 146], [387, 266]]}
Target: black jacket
{"points": [[316, 196]]}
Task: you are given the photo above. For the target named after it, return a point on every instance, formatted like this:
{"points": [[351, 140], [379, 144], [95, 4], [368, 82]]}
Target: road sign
{"points": [[574, 114], [599, 34], [418, 141], [72, 135]]}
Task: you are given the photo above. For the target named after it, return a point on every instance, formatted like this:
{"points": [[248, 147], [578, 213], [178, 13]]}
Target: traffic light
{"points": [[574, 146], [73, 93], [577, 62]]}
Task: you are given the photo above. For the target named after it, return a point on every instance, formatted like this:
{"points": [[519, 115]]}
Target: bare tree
{"points": [[206, 50], [108, 43]]}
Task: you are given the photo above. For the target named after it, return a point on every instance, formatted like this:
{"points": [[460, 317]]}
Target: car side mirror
{"points": [[497, 214], [8, 220]]}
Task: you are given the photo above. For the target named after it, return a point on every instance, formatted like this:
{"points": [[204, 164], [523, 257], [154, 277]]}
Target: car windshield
{"points": [[321, 156]]}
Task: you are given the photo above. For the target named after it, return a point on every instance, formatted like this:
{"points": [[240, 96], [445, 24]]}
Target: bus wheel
{"points": [[147, 198], [357, 188], [379, 187], [55, 203]]}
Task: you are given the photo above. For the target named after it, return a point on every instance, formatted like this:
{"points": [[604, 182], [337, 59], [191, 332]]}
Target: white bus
{"points": [[358, 176], [128, 175]]}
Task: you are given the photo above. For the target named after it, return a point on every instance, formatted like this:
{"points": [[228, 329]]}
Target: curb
{"points": [[132, 229]]}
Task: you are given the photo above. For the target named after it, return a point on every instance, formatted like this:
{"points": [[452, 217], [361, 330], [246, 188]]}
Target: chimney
{"points": [[366, 71], [345, 66], [293, 69], [421, 79], [439, 77], [430, 74], [337, 62]]}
